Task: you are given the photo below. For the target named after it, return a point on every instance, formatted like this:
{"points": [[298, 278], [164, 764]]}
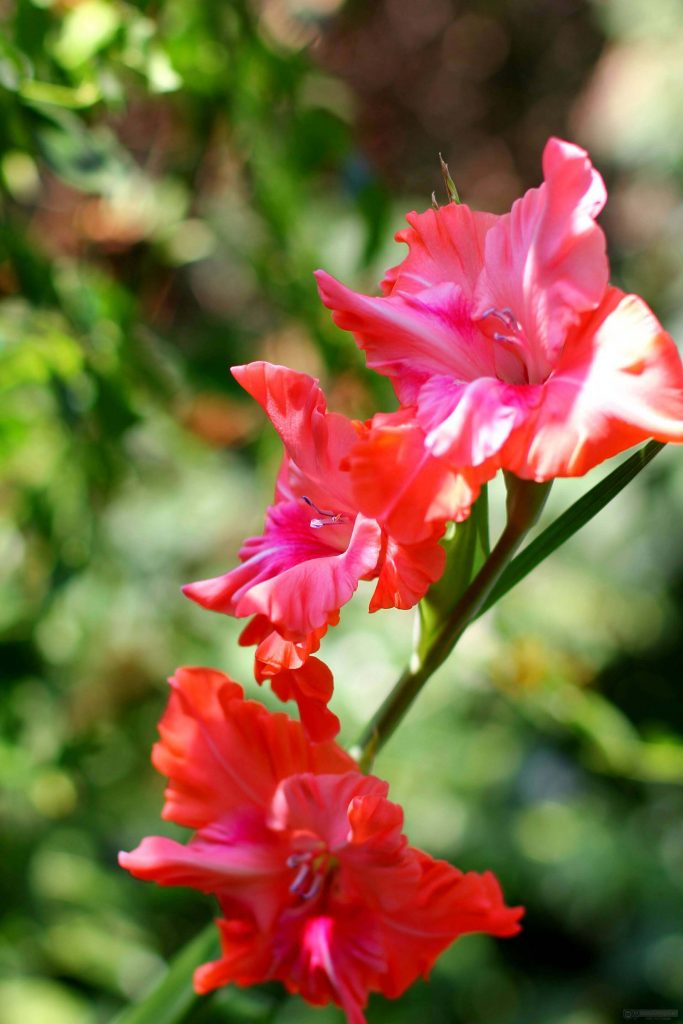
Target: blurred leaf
{"points": [[170, 1001]]}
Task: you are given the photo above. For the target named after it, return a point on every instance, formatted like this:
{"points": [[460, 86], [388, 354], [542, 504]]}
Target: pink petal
{"points": [[303, 597], [445, 245], [408, 336], [545, 260], [332, 958], [316, 441], [467, 425], [319, 804], [291, 574], [241, 861], [619, 381]]}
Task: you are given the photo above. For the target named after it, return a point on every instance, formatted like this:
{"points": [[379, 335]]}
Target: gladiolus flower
{"points": [[305, 854], [316, 546], [506, 344]]}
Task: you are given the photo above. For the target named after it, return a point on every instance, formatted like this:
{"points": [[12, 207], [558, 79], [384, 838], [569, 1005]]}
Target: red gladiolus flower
{"points": [[505, 343], [316, 547], [318, 886]]}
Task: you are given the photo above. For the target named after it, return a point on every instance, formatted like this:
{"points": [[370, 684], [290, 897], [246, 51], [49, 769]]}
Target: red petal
{"points": [[209, 733]]}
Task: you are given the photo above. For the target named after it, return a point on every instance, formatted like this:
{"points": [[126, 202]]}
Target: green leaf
{"points": [[467, 548], [172, 999], [566, 525]]}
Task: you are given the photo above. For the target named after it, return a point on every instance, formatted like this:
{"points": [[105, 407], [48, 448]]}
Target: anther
{"points": [[327, 518], [314, 888], [297, 858], [301, 875]]}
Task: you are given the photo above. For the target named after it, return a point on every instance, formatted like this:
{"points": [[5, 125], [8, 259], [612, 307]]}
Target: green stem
{"points": [[525, 501]]}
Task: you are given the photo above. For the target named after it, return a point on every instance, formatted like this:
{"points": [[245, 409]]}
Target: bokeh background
{"points": [[171, 174]]}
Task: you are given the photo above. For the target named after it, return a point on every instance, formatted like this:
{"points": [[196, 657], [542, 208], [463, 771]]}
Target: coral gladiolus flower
{"points": [[317, 884], [316, 546], [502, 335]]}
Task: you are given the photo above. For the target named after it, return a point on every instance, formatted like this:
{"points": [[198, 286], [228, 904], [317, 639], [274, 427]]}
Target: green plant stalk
{"points": [[525, 501]]}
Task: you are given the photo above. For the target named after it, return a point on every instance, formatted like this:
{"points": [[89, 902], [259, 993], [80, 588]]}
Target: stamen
{"points": [[314, 888], [301, 876], [327, 518], [505, 315], [298, 858], [320, 511]]}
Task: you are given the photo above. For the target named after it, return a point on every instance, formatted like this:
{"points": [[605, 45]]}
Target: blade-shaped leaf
{"points": [[566, 525]]}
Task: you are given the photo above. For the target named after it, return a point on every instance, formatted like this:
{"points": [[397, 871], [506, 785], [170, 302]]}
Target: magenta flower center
{"points": [[506, 331]]}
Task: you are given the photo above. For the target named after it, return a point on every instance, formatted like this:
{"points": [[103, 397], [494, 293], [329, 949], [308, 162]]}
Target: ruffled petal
{"points": [[546, 260], [209, 733], [293, 574], [444, 905], [240, 860], [246, 957], [408, 571], [287, 540], [408, 337], [619, 381], [274, 653], [311, 687], [315, 440], [303, 598], [397, 480], [328, 958], [467, 425], [318, 805], [444, 245]]}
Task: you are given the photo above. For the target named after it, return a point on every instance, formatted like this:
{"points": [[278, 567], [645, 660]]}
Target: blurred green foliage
{"points": [[171, 173]]}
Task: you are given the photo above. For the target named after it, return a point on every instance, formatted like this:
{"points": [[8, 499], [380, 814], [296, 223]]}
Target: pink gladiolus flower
{"points": [[317, 884], [316, 547], [506, 344]]}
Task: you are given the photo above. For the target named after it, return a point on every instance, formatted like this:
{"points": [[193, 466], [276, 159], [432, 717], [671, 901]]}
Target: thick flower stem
{"points": [[525, 501]]}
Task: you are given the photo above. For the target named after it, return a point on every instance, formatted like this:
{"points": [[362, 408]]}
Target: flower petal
{"points": [[319, 804], [619, 381], [208, 734], [239, 860], [291, 575], [315, 440], [444, 245], [408, 571], [467, 425], [246, 956], [545, 261], [311, 687], [303, 597], [408, 337], [397, 480], [445, 904]]}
